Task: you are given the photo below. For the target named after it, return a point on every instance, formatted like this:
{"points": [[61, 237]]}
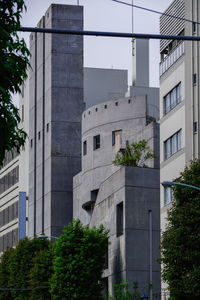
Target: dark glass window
{"points": [[195, 126], [120, 218], [84, 147], [96, 142], [194, 78]]}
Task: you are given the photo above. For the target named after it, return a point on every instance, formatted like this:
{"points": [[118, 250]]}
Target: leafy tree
{"points": [[134, 155], [78, 262], [180, 246], [5, 274], [20, 263], [122, 291], [41, 273], [13, 64]]}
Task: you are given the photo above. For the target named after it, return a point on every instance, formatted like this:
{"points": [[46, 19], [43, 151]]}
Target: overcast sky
{"points": [[107, 15]]}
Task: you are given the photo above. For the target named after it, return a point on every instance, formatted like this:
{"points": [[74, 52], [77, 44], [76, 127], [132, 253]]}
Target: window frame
{"points": [[172, 99], [168, 195], [96, 142], [120, 219], [84, 148], [173, 144]]}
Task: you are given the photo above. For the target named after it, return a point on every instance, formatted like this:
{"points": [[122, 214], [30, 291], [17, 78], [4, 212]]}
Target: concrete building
{"points": [[125, 200], [14, 187], [56, 101], [9, 197], [121, 198], [179, 96], [55, 107]]}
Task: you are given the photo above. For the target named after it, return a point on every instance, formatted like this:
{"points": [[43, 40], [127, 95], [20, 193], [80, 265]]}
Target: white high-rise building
{"points": [[179, 96]]}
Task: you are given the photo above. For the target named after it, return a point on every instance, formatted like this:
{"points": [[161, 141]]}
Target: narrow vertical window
{"points": [[195, 127], [117, 139], [120, 219], [22, 112], [168, 195], [96, 142], [47, 127], [22, 91], [84, 147], [193, 27], [194, 78]]}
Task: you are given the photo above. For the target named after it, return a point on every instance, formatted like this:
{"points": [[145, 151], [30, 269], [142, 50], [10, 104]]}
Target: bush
{"points": [[134, 155], [78, 263]]}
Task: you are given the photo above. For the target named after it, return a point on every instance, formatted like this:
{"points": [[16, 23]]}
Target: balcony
{"points": [[171, 58]]}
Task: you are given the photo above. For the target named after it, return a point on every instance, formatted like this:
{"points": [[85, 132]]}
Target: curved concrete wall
{"points": [[129, 116]]}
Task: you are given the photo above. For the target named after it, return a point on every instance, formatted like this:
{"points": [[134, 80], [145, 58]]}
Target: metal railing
{"points": [[171, 58]]}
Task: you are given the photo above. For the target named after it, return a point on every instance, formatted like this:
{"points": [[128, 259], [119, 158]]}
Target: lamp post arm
{"points": [[171, 183]]}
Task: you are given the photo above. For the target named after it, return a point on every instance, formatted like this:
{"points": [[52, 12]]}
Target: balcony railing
{"points": [[171, 58]]}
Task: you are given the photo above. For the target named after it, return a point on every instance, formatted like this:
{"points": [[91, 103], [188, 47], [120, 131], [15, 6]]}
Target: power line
{"points": [[155, 11], [111, 34]]}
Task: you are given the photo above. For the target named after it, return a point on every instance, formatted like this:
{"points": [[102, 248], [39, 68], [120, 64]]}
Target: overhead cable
{"points": [[111, 34], [155, 11]]}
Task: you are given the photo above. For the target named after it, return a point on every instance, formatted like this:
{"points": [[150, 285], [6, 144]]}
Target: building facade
{"points": [[55, 107], [179, 96], [122, 199], [14, 188]]}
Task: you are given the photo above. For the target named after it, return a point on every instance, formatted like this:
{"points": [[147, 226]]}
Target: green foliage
{"points": [[16, 269], [134, 155], [180, 246], [4, 274], [13, 64], [122, 292], [41, 273], [78, 263]]}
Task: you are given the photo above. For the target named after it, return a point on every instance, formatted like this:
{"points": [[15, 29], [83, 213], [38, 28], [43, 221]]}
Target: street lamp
{"points": [[172, 183]]}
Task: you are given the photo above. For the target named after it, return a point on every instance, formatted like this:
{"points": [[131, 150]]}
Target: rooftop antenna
{"points": [[132, 18], [133, 40], [133, 46]]}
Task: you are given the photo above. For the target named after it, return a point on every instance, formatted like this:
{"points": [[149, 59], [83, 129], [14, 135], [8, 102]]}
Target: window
{"points": [[84, 147], [172, 99], [172, 145], [168, 195], [22, 113], [96, 142], [39, 135], [9, 179], [31, 143], [22, 90], [117, 139], [106, 256], [120, 222], [195, 127], [195, 78], [193, 27], [47, 127], [9, 155]]}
